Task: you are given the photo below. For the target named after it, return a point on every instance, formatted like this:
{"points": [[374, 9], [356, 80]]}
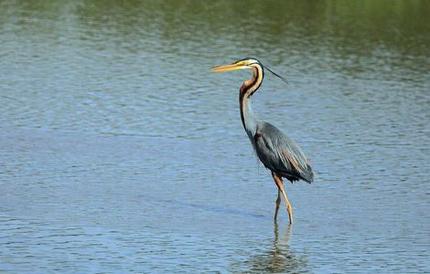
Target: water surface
{"points": [[121, 152]]}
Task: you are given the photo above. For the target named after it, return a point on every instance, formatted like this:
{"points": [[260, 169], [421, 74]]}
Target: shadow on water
{"points": [[204, 207], [276, 257]]}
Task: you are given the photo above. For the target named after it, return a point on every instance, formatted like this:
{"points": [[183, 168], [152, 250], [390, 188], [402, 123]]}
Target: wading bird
{"points": [[275, 150]]}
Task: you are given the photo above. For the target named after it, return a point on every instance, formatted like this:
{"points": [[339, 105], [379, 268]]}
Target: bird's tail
{"points": [[307, 174]]}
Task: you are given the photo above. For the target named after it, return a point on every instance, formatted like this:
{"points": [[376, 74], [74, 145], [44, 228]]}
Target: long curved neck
{"points": [[246, 91]]}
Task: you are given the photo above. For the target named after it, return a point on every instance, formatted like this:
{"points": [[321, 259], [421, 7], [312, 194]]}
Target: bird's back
{"points": [[280, 154]]}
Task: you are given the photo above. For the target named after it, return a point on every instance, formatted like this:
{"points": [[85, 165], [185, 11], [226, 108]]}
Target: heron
{"points": [[278, 153]]}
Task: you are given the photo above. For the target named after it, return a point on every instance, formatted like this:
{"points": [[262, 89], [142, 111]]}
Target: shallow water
{"points": [[121, 152]]}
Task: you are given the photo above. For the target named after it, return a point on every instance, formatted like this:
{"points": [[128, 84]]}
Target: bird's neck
{"points": [[246, 90], [247, 116]]}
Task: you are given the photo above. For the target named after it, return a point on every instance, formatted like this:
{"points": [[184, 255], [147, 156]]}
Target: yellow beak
{"points": [[231, 67]]}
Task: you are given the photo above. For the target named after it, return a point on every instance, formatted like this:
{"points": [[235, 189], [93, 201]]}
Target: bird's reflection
{"points": [[278, 258]]}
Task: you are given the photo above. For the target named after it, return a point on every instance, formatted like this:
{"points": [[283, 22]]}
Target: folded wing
{"points": [[280, 154]]}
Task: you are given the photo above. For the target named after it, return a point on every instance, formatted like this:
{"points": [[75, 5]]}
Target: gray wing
{"points": [[280, 154]]}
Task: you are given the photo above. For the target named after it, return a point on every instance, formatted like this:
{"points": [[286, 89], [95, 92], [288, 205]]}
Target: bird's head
{"points": [[246, 63]]}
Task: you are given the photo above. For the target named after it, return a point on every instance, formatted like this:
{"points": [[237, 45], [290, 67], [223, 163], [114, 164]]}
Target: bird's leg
{"points": [[280, 185], [278, 202]]}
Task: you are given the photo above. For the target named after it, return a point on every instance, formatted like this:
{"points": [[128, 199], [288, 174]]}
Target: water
{"points": [[121, 152]]}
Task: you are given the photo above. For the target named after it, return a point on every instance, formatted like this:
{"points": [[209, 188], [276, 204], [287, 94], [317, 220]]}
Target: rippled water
{"points": [[121, 152]]}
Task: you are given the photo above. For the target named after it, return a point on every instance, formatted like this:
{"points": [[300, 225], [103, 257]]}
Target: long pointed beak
{"points": [[231, 67]]}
